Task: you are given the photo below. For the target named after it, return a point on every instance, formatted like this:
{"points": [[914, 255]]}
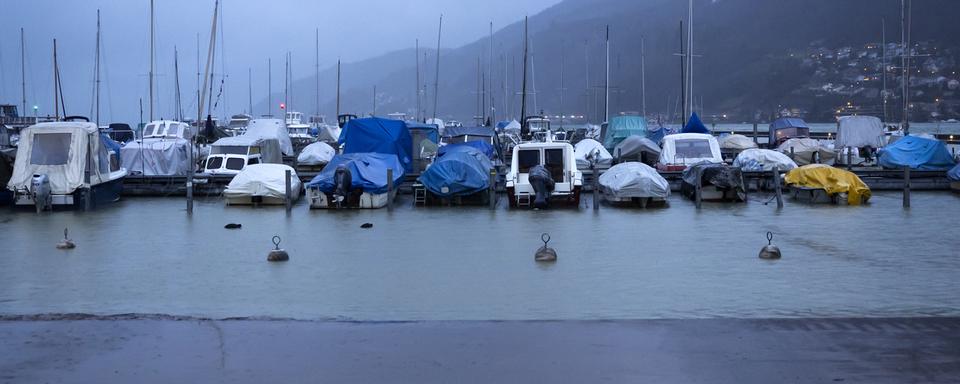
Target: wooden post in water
{"points": [[776, 186], [87, 196], [906, 187], [596, 186], [389, 189], [849, 158], [792, 156], [289, 190], [698, 192], [190, 191], [493, 188], [756, 140]]}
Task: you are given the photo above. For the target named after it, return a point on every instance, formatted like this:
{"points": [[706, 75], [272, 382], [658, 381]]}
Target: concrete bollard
{"points": [[770, 251], [288, 196], [277, 254], [389, 189], [545, 254]]}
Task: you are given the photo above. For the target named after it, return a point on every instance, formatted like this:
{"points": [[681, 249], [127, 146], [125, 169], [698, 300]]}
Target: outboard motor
{"points": [[543, 186], [40, 191], [342, 182]]}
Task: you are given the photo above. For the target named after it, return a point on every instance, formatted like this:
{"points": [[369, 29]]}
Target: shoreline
{"points": [[182, 349]]}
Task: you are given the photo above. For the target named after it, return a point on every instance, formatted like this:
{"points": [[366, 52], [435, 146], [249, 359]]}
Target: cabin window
{"points": [[528, 158], [114, 162], [50, 148], [103, 159], [255, 160], [149, 130], [229, 150], [253, 151], [553, 162], [173, 130], [235, 163], [214, 162], [693, 149]]}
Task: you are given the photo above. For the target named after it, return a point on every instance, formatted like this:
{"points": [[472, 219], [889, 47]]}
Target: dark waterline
{"points": [[148, 256]]}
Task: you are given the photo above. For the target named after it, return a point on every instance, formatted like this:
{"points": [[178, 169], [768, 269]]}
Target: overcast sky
{"points": [[253, 31]]}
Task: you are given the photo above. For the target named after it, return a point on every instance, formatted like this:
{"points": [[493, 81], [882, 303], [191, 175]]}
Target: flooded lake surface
{"points": [[149, 256]]}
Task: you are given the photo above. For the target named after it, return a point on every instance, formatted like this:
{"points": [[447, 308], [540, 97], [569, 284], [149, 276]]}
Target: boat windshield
{"points": [[693, 149], [214, 162], [235, 163], [149, 130]]}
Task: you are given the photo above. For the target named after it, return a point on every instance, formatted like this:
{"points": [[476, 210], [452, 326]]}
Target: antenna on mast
{"points": [[436, 83]]}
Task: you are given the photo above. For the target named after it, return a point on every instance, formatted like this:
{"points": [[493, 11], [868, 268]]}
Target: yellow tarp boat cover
{"points": [[833, 180]]}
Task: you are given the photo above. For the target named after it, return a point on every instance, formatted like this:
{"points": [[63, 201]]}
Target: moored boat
{"points": [[634, 182], [682, 150], [716, 182], [543, 172], [954, 177], [461, 173], [820, 183], [262, 184], [164, 149], [356, 180]]}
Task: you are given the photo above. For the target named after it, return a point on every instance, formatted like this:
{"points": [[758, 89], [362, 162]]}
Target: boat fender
{"points": [[66, 243], [545, 254], [770, 251], [277, 254], [233, 226]]}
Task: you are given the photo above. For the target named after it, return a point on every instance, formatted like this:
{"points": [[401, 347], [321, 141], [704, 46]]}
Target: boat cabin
{"points": [[682, 150], [786, 128], [557, 158]]}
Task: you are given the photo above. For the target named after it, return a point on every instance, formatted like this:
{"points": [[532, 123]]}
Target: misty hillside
{"points": [[751, 65]]}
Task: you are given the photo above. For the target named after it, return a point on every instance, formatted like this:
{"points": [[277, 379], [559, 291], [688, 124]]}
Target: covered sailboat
{"points": [[377, 135], [590, 152], [684, 149], [263, 184], [622, 127], [756, 160], [163, 150], [462, 171], [805, 151], [356, 180], [786, 128], [316, 154], [633, 182], [694, 125], [637, 148], [820, 183]]}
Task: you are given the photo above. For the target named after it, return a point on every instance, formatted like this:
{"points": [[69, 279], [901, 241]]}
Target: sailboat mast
{"points": [[683, 80], [606, 82], [643, 77], [883, 63], [338, 88], [96, 76], [493, 105], [418, 80], [436, 82], [250, 91], [690, 58], [23, 72], [176, 82], [562, 89], [211, 51], [905, 58], [523, 91], [56, 82], [316, 68], [269, 87], [152, 41]]}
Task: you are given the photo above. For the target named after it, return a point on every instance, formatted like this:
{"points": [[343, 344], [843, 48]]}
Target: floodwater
{"points": [[149, 256]]}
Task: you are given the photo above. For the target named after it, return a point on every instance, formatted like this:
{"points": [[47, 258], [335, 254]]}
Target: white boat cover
{"points": [[860, 131], [634, 179], [736, 142], [157, 157], [763, 160], [329, 133], [267, 180], [318, 153], [58, 150], [633, 146], [513, 126], [266, 129], [689, 149], [589, 150], [803, 149]]}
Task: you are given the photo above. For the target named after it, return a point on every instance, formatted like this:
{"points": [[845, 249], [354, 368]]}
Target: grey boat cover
{"points": [[633, 179], [265, 180], [632, 147], [803, 149], [763, 160], [318, 153], [157, 157], [736, 142], [859, 131], [718, 175], [589, 151]]}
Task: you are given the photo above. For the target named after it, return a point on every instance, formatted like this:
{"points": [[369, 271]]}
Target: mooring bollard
{"points": [[596, 187], [277, 254], [770, 251], [66, 243], [776, 186], [288, 191], [545, 253], [906, 187], [493, 188], [389, 189], [190, 192]]}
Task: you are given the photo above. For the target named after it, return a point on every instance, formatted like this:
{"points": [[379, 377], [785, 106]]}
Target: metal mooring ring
{"points": [[276, 241], [545, 237]]}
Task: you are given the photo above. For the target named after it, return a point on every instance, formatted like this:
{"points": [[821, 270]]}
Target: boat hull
{"points": [[357, 200], [100, 195], [525, 200], [820, 196]]}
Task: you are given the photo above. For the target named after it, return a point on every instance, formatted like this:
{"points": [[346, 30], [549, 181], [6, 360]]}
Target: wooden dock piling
{"points": [[389, 189], [289, 190], [777, 187], [493, 188], [596, 187], [906, 187]]}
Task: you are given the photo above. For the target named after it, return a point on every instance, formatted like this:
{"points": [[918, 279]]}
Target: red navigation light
{"points": [[283, 106]]}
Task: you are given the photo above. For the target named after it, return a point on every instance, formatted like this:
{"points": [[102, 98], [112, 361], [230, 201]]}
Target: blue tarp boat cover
{"points": [[368, 172], [657, 133], [917, 153], [377, 135], [954, 174], [468, 131], [432, 132], [482, 146], [622, 127], [788, 122], [461, 170], [694, 125], [111, 145]]}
